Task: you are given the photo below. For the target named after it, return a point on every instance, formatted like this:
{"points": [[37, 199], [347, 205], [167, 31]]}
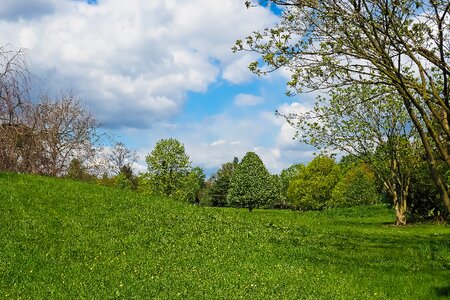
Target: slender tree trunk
{"points": [[250, 208]]}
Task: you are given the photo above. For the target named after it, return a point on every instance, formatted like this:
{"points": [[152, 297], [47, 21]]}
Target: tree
{"points": [[251, 185], [356, 186], [120, 157], [77, 171], [311, 189], [374, 127], [65, 129], [220, 183], [191, 186], [168, 164], [287, 175], [125, 179], [16, 136], [401, 45], [14, 84]]}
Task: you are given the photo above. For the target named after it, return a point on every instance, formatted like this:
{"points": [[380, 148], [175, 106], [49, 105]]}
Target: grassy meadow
{"points": [[63, 239]]}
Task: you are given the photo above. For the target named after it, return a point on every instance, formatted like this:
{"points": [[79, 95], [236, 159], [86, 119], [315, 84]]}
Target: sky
{"points": [[151, 70]]}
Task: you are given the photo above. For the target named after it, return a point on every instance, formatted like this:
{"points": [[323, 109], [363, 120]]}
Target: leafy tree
{"points": [[400, 45], [287, 175], [356, 186], [126, 179], [373, 127], [276, 190], [424, 202], [168, 164], [251, 185], [191, 186], [76, 170], [220, 183], [312, 187]]}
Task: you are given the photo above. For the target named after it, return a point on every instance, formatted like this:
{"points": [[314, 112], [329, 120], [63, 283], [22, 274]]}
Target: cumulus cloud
{"points": [[237, 71], [132, 62], [214, 140]]}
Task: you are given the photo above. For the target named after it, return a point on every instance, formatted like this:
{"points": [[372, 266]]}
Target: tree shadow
{"points": [[443, 291]]}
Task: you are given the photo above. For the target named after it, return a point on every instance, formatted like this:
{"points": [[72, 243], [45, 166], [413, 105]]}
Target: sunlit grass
{"points": [[64, 239]]}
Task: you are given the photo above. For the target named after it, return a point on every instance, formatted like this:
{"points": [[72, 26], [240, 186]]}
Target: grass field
{"points": [[62, 239]]}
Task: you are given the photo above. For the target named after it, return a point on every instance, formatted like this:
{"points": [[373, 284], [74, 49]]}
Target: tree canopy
{"points": [[251, 184], [402, 45], [168, 163]]}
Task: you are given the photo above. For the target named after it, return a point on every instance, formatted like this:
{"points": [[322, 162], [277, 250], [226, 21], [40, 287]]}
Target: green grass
{"points": [[62, 239]]}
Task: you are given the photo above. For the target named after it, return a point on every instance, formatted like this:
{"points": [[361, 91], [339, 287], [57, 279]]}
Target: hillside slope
{"points": [[63, 239]]}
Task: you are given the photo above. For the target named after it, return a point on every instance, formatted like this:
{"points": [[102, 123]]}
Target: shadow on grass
{"points": [[443, 291]]}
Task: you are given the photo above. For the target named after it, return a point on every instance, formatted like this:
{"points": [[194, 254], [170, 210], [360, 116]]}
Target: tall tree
{"points": [[251, 185], [403, 45], [168, 164], [15, 109], [66, 129]]}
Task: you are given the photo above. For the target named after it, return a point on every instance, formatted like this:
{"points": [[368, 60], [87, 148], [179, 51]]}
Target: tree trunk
{"points": [[250, 208], [441, 186], [400, 209]]}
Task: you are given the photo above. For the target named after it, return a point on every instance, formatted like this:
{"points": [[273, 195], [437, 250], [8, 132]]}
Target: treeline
{"points": [[321, 184], [58, 136]]}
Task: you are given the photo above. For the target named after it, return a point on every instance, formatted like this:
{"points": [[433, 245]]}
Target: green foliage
{"points": [[220, 183], [125, 179], [168, 164], [356, 186], [424, 202], [287, 175], [312, 187], [121, 181], [251, 185], [191, 186], [63, 239], [77, 171]]}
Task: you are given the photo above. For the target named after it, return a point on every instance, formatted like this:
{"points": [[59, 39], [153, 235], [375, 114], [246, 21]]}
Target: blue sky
{"points": [[158, 69]]}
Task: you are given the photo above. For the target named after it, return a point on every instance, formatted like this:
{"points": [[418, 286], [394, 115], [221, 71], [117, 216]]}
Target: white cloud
{"points": [[132, 62], [247, 100], [237, 71], [231, 137], [218, 143]]}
